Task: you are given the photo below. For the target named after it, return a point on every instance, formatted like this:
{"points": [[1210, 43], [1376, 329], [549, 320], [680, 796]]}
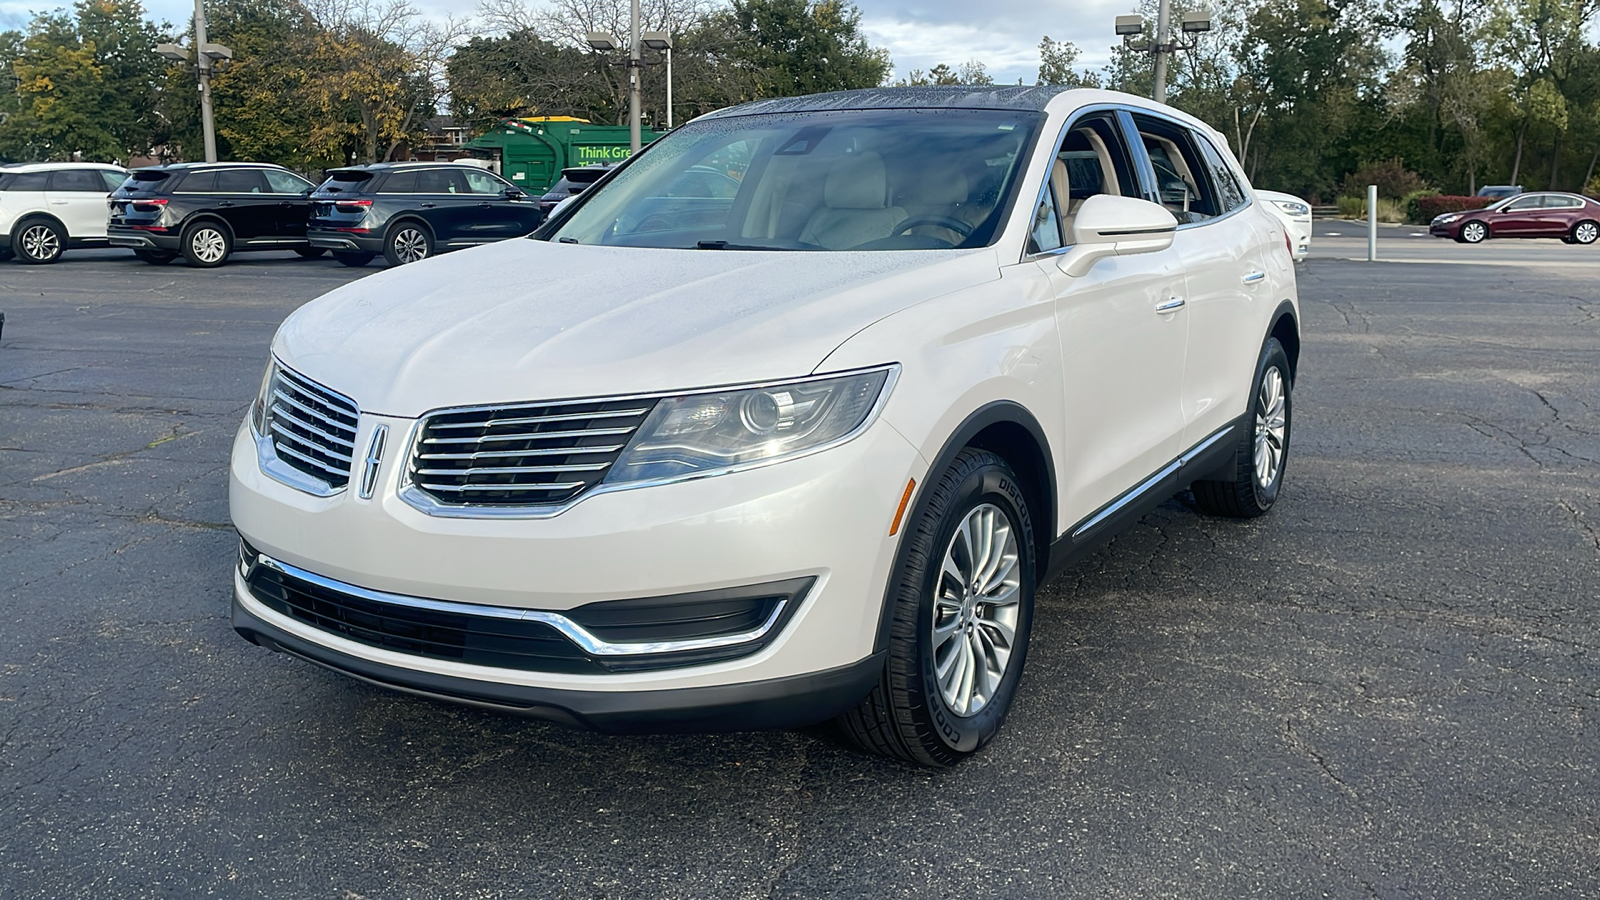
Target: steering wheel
{"points": [[956, 225]]}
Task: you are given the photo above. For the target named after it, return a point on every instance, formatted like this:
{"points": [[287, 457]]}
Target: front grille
{"points": [[505, 643], [529, 455], [312, 428]]}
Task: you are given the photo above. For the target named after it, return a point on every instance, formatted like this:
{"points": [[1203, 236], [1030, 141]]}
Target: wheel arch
{"points": [[24, 219], [1007, 429], [211, 217], [1286, 328], [403, 218]]}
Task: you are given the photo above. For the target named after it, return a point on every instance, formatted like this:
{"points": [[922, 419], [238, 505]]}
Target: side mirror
{"points": [[1107, 225], [515, 193]]}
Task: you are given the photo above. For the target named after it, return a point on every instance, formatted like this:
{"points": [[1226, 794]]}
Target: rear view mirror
{"points": [[1107, 225]]}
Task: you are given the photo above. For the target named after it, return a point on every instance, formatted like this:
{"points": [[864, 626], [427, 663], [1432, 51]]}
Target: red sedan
{"points": [[1545, 214]]}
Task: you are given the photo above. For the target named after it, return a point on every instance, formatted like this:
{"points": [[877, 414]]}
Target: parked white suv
{"points": [[802, 452], [49, 208]]}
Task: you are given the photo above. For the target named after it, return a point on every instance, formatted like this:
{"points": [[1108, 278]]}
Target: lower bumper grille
{"points": [[649, 633]]}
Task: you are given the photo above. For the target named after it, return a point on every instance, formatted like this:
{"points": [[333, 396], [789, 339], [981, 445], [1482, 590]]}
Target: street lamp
{"points": [[661, 42], [205, 62], [1129, 27]]}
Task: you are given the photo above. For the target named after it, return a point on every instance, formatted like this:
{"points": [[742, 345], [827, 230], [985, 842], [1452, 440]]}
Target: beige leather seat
{"points": [[855, 205], [940, 192]]}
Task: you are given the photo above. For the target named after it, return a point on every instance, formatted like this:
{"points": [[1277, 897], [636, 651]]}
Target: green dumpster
{"points": [[531, 152]]}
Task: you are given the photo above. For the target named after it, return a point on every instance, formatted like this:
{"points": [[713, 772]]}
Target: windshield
{"points": [[837, 180]]}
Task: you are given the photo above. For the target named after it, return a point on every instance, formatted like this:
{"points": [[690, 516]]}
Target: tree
{"points": [[806, 46], [1056, 59]]}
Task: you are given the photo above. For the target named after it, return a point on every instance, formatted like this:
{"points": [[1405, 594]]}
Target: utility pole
{"points": [[635, 64], [203, 64], [1163, 30]]}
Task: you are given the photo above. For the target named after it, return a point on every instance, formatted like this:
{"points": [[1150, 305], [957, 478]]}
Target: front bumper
{"points": [[825, 516], [344, 241], [1449, 230], [142, 239]]}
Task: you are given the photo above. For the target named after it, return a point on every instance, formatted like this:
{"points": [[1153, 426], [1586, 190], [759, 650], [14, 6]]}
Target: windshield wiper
{"points": [[724, 245]]}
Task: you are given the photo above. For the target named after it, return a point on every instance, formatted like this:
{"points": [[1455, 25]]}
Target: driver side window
{"points": [[1091, 159]]}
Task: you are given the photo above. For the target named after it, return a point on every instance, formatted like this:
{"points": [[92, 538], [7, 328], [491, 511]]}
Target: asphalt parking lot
{"points": [[1386, 688]]}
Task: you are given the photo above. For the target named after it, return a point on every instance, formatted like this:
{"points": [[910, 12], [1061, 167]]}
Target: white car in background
{"points": [[801, 452], [49, 208], [1295, 214]]}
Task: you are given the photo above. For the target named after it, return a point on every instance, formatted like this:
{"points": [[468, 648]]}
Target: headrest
{"points": [[857, 182], [938, 188]]}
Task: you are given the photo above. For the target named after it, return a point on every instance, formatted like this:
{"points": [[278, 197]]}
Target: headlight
{"points": [[699, 434], [258, 409], [1293, 208], [1446, 219]]}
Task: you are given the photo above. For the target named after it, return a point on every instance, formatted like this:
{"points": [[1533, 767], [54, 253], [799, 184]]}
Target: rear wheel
{"points": [[1473, 233], [310, 252], [1585, 232], [409, 242], [39, 241], [206, 245], [1249, 487], [156, 257], [960, 608], [353, 259]]}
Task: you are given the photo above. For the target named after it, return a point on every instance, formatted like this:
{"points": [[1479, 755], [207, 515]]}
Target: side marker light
{"points": [[900, 513]]}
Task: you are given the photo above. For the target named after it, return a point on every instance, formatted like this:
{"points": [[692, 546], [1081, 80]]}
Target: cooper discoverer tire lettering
{"points": [[961, 611]]}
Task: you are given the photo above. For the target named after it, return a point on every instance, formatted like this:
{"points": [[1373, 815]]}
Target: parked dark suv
{"points": [[411, 211], [209, 211]]}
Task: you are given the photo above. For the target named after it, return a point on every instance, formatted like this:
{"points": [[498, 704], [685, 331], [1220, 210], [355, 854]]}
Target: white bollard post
{"points": [[1372, 223]]}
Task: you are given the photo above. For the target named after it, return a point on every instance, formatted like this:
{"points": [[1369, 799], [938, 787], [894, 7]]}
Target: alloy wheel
{"points": [[1271, 427], [40, 242], [410, 245], [976, 608], [208, 245], [1473, 232], [1586, 232]]}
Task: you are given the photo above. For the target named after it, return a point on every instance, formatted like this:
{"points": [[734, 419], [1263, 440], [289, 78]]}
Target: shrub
{"points": [[1393, 179], [1412, 201], [1438, 204], [1389, 211]]}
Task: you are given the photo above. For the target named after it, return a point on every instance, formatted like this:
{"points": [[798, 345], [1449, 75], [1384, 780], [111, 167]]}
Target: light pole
{"points": [[206, 56], [1130, 27], [661, 42]]}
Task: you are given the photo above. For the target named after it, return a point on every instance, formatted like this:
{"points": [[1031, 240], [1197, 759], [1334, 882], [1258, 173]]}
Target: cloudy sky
{"points": [[1003, 34]]}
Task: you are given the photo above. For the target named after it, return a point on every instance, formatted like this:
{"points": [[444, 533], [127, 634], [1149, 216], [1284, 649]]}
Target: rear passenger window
{"points": [[1230, 193], [240, 181], [1182, 183], [439, 181], [85, 181]]}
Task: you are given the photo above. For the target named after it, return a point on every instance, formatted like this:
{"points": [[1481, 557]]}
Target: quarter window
{"points": [[112, 179]]}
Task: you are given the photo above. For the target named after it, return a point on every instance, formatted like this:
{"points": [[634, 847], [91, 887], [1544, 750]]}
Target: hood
{"points": [[527, 320]]}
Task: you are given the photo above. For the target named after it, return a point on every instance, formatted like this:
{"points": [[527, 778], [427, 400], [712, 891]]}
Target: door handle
{"points": [[1255, 278], [486, 205], [225, 204], [429, 205], [1170, 305]]}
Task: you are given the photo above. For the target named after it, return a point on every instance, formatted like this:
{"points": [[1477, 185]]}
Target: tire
{"points": [[407, 242], [1251, 484], [912, 714], [38, 242], [310, 252], [1473, 232], [354, 260], [207, 244], [1585, 232], [156, 257]]}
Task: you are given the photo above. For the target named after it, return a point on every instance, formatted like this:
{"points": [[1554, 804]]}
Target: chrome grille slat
{"points": [[533, 420], [522, 455], [527, 436], [312, 428], [546, 451]]}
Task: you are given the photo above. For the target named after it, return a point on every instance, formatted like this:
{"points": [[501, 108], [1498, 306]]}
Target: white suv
{"points": [[48, 208], [799, 452]]}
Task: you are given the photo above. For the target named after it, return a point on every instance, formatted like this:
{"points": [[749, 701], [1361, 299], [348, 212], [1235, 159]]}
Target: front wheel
{"points": [[960, 610], [1473, 233], [1585, 232], [407, 243], [206, 245], [1250, 485]]}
